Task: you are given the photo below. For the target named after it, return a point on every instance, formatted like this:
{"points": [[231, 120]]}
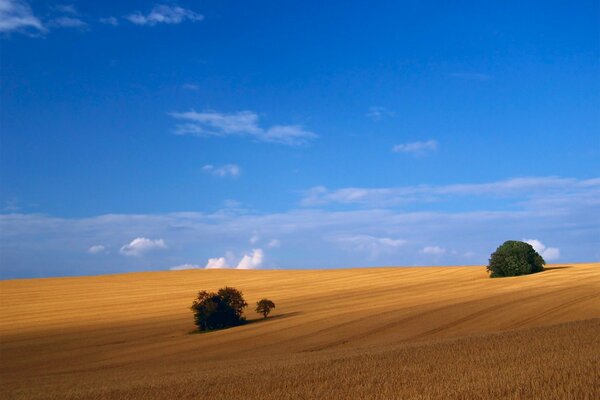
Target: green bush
{"points": [[219, 310], [514, 258]]}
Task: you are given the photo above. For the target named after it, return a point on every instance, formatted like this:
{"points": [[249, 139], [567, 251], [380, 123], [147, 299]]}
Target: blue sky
{"points": [[146, 136]]}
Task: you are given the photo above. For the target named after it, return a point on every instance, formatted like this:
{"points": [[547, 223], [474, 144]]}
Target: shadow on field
{"points": [[278, 316], [561, 267], [250, 321]]}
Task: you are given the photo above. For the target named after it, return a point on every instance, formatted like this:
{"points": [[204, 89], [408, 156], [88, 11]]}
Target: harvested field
{"points": [[373, 333]]}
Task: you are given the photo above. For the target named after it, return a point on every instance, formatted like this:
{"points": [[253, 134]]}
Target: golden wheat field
{"points": [[371, 333]]}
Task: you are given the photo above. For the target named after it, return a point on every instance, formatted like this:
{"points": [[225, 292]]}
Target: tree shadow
{"points": [[561, 267], [248, 322], [278, 316]]}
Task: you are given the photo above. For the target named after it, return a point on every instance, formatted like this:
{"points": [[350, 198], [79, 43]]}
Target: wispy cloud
{"points": [[164, 14], [66, 9], [274, 243], [109, 21], [190, 86], [67, 22], [533, 189], [370, 244], [182, 267], [97, 249], [378, 113], [17, 16], [242, 123], [141, 245], [433, 250], [416, 148], [223, 170], [558, 210]]}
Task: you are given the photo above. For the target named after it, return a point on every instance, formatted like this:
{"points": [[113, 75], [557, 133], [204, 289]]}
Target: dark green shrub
{"points": [[514, 258], [219, 310]]}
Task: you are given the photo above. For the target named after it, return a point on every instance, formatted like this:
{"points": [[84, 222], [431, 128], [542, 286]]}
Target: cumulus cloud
{"points": [[97, 249], [557, 210], [222, 171], [242, 123], [141, 245], [184, 267], [433, 250], [17, 16], [548, 253], [216, 263], [251, 261], [378, 113], [164, 14], [416, 148]]}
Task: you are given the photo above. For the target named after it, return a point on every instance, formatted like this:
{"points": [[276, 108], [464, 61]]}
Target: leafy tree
{"points": [[514, 258], [218, 310], [264, 307]]}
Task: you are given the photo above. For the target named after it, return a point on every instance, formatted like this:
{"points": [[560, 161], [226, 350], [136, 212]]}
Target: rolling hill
{"points": [[419, 332]]}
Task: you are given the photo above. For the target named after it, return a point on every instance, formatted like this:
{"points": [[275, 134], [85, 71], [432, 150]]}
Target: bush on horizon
{"points": [[514, 258]]}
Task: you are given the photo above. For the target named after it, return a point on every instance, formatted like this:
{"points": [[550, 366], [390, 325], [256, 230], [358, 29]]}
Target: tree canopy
{"points": [[219, 310], [514, 258], [264, 307]]}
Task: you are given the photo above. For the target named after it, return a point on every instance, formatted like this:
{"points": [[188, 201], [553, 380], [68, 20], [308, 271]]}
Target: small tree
{"points": [[264, 307], [514, 258], [218, 310]]}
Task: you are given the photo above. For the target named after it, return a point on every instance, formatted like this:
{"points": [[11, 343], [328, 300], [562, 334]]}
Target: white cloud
{"points": [[97, 249], [378, 113], [141, 245], [251, 261], [67, 22], [164, 14], [216, 263], [242, 123], [291, 135], [274, 243], [222, 171], [541, 190], [17, 16], [416, 148], [184, 267], [109, 21], [548, 253], [558, 210], [433, 250]]}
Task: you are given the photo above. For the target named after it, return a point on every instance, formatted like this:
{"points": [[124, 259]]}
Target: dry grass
{"points": [[362, 333]]}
